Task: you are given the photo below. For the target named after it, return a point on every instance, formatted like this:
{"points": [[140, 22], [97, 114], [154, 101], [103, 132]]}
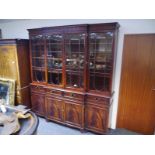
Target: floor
{"points": [[50, 128]]}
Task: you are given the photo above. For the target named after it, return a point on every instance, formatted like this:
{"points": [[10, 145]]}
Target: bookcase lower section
{"points": [[73, 109]]}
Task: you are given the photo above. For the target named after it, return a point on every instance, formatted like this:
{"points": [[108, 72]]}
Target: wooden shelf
{"points": [[38, 57], [38, 68], [55, 43], [74, 72], [54, 51], [100, 74], [55, 70], [101, 43], [51, 58]]}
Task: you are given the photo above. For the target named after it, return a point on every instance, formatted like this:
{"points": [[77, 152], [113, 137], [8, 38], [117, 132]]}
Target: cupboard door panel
{"points": [[38, 103], [73, 114], [54, 109], [96, 119]]}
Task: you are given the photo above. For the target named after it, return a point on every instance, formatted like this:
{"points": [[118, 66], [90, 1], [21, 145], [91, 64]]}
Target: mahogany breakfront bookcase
{"points": [[72, 70]]}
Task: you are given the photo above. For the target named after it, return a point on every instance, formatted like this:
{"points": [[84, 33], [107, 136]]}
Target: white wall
{"points": [[18, 29]]}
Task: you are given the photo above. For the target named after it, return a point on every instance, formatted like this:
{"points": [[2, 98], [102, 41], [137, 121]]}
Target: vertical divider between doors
{"points": [[46, 70]]}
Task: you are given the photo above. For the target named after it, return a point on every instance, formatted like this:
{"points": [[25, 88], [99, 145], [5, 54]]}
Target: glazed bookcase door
{"points": [[100, 61], [75, 60], [38, 59], [54, 47]]}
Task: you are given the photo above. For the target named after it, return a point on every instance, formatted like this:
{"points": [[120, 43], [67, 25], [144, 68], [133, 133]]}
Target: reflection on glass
{"points": [[99, 83], [74, 80], [75, 59], [38, 58], [54, 58], [55, 78], [37, 62], [100, 60], [38, 76]]}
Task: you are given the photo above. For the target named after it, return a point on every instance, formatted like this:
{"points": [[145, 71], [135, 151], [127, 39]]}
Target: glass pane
{"points": [[38, 58], [37, 50], [38, 76], [54, 45], [54, 63], [75, 59], [55, 78], [75, 80], [37, 62], [99, 83], [100, 60]]}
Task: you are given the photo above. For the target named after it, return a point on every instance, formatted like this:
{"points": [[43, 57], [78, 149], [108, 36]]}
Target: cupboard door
{"points": [[96, 119], [54, 109], [74, 114], [38, 103]]}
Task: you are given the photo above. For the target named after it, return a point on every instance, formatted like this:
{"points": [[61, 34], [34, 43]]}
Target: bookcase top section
{"points": [[74, 28]]}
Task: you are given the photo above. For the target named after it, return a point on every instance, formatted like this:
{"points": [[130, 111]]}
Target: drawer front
{"points": [[97, 100], [37, 89], [74, 96], [54, 92]]}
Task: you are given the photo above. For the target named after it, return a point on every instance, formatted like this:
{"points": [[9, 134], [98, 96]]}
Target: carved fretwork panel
{"points": [[54, 109], [73, 113], [96, 118]]}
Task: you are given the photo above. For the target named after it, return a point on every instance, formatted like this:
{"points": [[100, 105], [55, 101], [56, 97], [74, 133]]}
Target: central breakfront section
{"points": [[71, 71]]}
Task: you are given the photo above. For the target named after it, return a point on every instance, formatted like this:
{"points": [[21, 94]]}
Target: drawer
{"points": [[74, 96], [37, 89], [54, 92], [97, 100]]}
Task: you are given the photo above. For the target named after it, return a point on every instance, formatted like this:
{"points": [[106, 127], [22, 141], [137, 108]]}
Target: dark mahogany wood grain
{"points": [[74, 114], [38, 103], [96, 119], [75, 107], [54, 109]]}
